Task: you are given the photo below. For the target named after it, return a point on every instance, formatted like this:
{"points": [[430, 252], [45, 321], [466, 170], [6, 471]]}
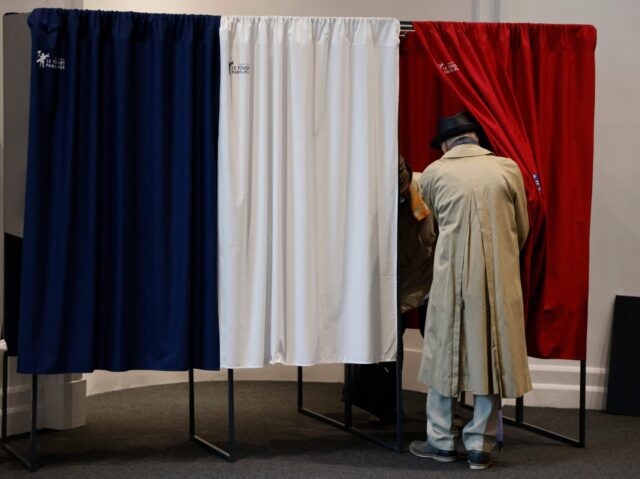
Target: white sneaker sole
{"points": [[479, 467]]}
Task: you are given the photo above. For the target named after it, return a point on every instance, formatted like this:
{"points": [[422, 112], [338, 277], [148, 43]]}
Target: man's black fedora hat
{"points": [[450, 126]]}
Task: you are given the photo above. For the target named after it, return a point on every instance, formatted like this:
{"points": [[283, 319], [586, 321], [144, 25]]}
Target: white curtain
{"points": [[307, 190]]}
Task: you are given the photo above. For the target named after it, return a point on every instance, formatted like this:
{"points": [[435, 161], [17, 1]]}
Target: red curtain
{"points": [[531, 87]]}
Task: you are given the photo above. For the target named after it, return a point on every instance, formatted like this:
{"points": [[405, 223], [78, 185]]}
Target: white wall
{"points": [[401, 9], [615, 231]]}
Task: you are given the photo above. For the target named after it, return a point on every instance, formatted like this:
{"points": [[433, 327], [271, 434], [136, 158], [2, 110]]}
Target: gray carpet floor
{"points": [[143, 433]]}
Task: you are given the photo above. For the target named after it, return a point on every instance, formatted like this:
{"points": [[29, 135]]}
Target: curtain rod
{"points": [[406, 26]]}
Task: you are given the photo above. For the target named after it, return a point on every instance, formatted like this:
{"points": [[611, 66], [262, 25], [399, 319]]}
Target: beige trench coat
{"points": [[474, 335]]}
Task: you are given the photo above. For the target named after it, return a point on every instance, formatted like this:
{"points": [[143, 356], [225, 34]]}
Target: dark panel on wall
{"points": [[12, 276], [16, 57], [623, 392], [17, 74]]}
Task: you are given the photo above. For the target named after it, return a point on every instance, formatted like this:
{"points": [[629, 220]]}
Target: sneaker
{"points": [[478, 460], [424, 449]]}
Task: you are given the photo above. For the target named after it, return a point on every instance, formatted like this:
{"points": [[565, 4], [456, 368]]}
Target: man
{"points": [[474, 338]]}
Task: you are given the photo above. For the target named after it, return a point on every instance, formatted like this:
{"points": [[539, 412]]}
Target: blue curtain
{"points": [[119, 252]]}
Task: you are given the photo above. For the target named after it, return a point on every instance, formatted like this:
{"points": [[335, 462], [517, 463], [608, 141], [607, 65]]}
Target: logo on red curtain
{"points": [[239, 68], [536, 179], [44, 60], [448, 68]]}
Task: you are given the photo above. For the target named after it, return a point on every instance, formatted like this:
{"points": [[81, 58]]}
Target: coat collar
{"points": [[462, 151]]}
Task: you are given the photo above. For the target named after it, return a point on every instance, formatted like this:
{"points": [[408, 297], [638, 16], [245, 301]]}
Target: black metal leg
{"points": [[309, 412], [347, 425], [5, 394], [399, 402], [31, 463], [229, 455], [348, 389], [519, 421], [583, 403], [300, 398], [500, 435], [192, 405], [33, 453], [580, 442], [520, 409], [231, 416]]}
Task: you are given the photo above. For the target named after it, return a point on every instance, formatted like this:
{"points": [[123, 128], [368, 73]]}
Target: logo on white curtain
{"points": [[44, 60], [448, 68], [239, 68]]}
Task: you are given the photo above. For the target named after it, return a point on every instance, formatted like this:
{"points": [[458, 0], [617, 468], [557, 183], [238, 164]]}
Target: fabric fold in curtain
{"points": [[308, 190], [531, 87], [119, 253]]}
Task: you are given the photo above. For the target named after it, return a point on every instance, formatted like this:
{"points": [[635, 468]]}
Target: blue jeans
{"points": [[478, 435]]}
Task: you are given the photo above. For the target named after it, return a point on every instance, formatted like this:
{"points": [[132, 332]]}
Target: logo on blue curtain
{"points": [[44, 60], [239, 68]]}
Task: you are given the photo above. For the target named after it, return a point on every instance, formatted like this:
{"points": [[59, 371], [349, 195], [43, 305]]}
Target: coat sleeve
{"points": [[404, 176], [519, 195], [428, 227], [428, 234], [426, 187]]}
